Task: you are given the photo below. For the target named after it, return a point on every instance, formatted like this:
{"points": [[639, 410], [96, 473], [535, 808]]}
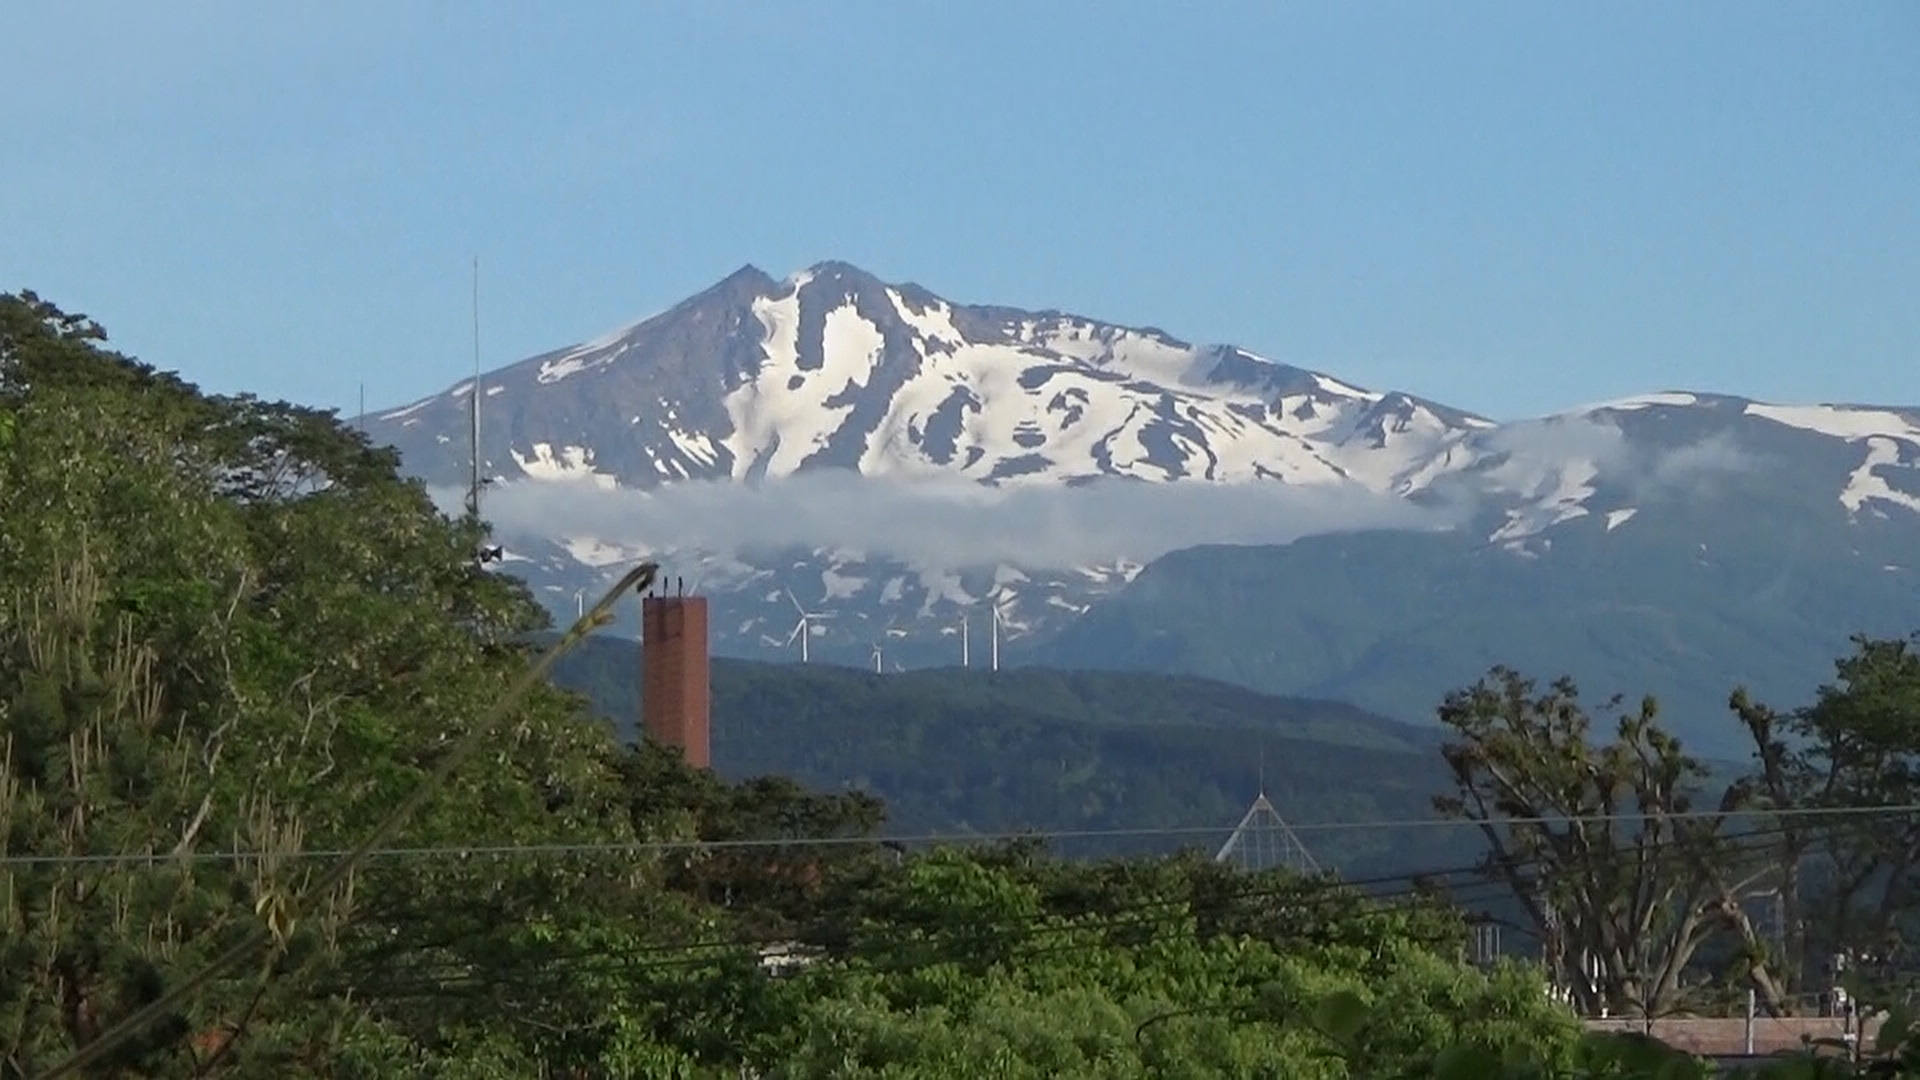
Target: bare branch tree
{"points": [[1602, 845]]}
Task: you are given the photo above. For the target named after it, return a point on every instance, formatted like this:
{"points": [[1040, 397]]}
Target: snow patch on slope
{"points": [[781, 402], [1885, 433], [596, 553], [697, 445], [1637, 402], [583, 357], [1866, 484], [570, 464], [1558, 495], [1839, 422], [935, 325], [409, 410]]}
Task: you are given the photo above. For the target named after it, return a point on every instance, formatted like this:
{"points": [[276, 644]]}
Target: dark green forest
{"points": [[285, 792], [958, 751]]}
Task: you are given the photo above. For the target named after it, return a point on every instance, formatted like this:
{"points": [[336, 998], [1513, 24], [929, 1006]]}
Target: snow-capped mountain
{"points": [[833, 369], [758, 382]]}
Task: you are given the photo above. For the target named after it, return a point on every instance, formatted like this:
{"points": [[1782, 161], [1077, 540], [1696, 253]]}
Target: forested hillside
{"points": [[953, 751]]}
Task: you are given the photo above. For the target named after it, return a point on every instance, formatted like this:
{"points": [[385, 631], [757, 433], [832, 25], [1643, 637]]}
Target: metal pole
{"points": [[473, 490], [1852, 1032], [1750, 1008]]}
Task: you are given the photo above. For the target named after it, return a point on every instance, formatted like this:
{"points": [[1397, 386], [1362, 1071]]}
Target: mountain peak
{"points": [[835, 369], [737, 287], [747, 272], [841, 267], [836, 272]]}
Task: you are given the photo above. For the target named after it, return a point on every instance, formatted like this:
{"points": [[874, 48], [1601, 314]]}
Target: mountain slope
{"points": [[910, 466], [833, 369], [1752, 573], [955, 751]]}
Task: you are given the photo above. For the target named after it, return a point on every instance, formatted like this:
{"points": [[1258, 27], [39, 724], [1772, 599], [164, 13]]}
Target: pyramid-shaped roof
{"points": [[1263, 841]]}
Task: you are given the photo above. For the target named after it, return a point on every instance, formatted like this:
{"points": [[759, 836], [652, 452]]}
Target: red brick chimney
{"points": [[675, 698]]}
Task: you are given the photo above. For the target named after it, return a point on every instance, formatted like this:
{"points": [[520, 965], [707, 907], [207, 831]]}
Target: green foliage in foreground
{"points": [[232, 640], [1024, 967]]}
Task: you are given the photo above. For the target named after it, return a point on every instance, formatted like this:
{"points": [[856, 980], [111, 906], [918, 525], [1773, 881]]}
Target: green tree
{"points": [[1613, 863], [232, 626], [770, 888], [1849, 878]]}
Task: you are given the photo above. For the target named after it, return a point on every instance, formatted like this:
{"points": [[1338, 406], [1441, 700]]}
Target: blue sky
{"points": [[1513, 208]]}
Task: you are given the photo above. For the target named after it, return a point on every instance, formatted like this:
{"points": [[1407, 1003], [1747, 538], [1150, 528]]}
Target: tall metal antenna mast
{"points": [[473, 490]]}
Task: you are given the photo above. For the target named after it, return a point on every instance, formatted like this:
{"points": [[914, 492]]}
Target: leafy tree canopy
{"points": [[233, 638]]}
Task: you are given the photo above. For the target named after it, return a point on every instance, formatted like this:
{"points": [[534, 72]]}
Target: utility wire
{"points": [[1015, 939], [643, 847], [264, 933], [898, 935]]}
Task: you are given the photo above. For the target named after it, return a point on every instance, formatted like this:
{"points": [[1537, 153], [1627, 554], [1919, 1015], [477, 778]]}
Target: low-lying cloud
{"points": [[1698, 466], [1536, 447], [949, 523]]}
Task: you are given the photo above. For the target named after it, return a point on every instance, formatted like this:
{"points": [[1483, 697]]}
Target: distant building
{"points": [[1735, 1040], [675, 693], [1263, 841]]}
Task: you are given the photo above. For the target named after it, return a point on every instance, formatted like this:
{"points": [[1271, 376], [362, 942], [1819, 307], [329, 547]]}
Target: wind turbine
{"points": [[999, 598], [803, 629], [887, 631], [966, 660]]}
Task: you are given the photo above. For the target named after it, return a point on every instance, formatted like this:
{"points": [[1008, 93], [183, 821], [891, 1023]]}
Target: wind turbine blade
{"points": [[796, 601], [797, 629]]}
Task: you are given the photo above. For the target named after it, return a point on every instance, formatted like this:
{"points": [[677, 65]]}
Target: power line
{"points": [[1413, 885], [644, 847], [1025, 936], [263, 933], [900, 945], [1009, 940]]}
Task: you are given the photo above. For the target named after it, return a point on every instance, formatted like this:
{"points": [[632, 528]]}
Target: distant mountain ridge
{"points": [[832, 368], [755, 382], [955, 752]]}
